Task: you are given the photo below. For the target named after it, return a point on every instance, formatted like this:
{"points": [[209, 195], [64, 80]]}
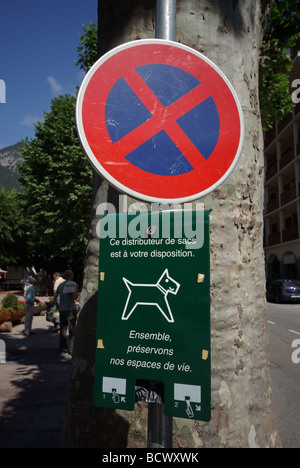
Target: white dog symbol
{"points": [[151, 294]]}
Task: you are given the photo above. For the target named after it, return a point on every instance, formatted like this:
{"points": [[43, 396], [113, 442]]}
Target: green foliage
{"points": [[12, 228], [276, 61], [56, 178], [10, 300], [87, 48], [285, 21], [275, 97]]}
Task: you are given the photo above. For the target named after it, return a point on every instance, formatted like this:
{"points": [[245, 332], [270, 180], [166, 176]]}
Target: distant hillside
{"points": [[9, 157]]}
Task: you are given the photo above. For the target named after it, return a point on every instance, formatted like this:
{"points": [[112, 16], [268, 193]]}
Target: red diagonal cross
{"points": [[164, 118]]}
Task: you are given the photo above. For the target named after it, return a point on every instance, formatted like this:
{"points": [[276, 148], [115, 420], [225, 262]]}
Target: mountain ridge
{"points": [[9, 158]]}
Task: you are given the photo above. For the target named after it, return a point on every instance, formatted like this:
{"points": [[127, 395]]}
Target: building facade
{"points": [[282, 193]]}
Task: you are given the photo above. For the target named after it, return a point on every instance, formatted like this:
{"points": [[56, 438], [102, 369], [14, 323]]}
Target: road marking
{"points": [[292, 331]]}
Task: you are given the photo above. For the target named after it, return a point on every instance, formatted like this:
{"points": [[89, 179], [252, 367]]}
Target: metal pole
{"points": [[160, 426], [165, 23]]}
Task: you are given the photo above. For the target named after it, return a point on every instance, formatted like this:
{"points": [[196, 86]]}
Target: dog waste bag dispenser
{"points": [[153, 319]]}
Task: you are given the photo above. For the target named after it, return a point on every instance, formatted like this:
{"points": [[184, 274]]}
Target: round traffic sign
{"points": [[160, 121]]}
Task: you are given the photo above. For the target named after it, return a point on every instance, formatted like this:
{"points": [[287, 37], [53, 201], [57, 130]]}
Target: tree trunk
{"points": [[229, 33]]}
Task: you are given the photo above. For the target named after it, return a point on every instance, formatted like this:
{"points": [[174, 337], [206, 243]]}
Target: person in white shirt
{"points": [[57, 280]]}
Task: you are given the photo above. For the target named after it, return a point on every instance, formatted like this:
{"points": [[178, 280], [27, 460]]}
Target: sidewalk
{"points": [[33, 387]]}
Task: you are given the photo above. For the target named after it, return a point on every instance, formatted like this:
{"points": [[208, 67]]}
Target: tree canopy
{"points": [[281, 35], [57, 183], [87, 48], [12, 227]]}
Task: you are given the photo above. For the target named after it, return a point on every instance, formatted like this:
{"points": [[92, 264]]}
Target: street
{"points": [[284, 326]]}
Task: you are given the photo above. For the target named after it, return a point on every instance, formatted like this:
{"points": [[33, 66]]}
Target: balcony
{"points": [[290, 234], [286, 158], [271, 171], [288, 196], [274, 238], [273, 205]]}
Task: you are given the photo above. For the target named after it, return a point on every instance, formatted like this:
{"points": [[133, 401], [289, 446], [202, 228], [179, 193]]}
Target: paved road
{"points": [[33, 388], [284, 326]]}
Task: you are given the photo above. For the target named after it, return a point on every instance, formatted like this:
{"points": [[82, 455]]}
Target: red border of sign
{"points": [[108, 158]]}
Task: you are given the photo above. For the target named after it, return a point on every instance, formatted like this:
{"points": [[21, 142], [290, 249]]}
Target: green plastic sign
{"points": [[153, 319]]}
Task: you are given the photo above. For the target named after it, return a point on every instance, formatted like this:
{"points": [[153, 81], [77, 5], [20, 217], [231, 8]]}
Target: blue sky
{"points": [[38, 51]]}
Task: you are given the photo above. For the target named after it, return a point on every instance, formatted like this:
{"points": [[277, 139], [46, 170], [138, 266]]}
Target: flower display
{"points": [[11, 309]]}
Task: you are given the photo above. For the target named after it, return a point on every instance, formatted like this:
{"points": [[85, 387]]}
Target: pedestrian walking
{"points": [[30, 299], [67, 293]]}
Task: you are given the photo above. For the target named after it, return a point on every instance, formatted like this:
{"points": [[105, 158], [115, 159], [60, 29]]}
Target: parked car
{"points": [[283, 290]]}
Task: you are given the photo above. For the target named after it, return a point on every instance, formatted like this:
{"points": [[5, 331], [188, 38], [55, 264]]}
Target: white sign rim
{"points": [[103, 172]]}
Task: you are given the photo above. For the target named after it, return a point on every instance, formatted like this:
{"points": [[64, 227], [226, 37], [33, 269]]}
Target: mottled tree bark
{"points": [[229, 33]]}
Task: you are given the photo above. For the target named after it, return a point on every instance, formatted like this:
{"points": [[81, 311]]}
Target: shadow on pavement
{"points": [[33, 388]]}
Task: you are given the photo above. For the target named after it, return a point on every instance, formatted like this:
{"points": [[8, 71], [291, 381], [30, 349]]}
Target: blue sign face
{"points": [[160, 155], [159, 121]]}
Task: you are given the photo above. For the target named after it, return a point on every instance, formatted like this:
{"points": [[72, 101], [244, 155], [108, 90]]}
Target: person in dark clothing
{"points": [[67, 293], [30, 299]]}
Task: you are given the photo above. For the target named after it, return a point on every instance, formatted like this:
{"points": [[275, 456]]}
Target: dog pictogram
{"points": [[151, 295]]}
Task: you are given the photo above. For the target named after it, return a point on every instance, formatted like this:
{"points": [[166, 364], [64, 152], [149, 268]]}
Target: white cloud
{"points": [[55, 87], [30, 120]]}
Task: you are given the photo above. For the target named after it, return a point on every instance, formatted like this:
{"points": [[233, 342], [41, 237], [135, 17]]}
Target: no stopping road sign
{"points": [[160, 121]]}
